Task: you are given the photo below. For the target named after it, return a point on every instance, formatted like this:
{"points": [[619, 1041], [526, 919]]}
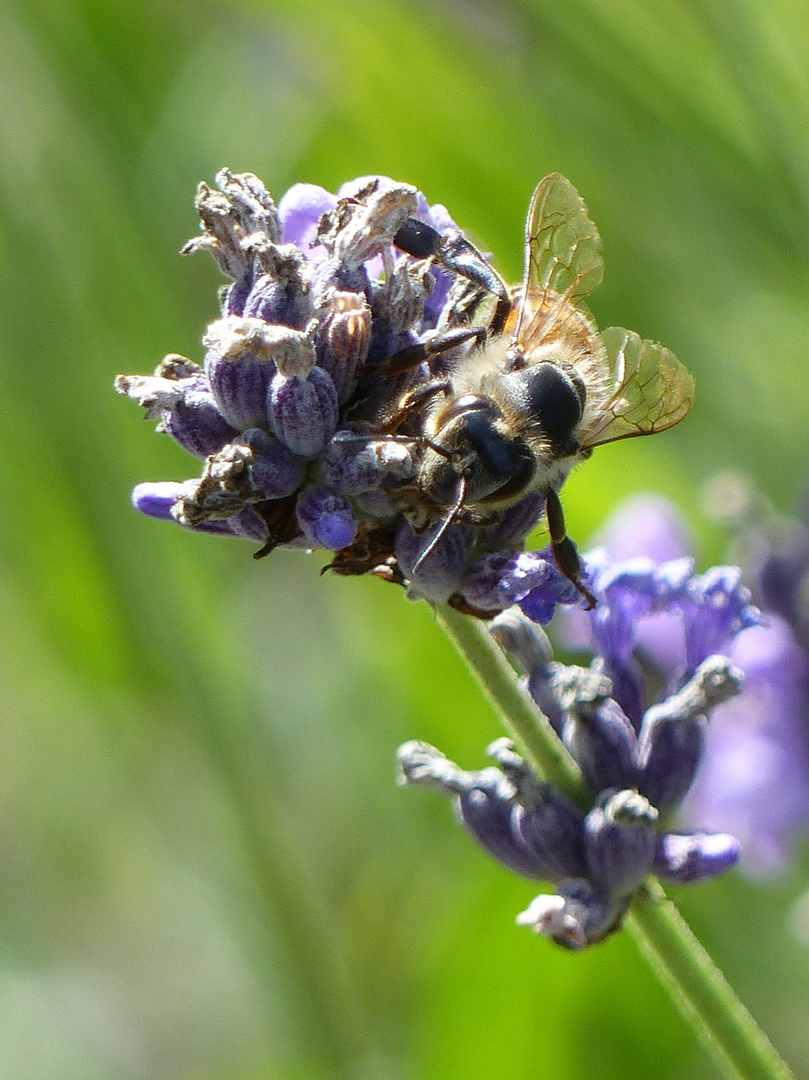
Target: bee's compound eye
{"points": [[556, 402]]}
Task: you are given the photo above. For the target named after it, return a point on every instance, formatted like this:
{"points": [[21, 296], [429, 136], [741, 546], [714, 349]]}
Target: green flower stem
{"points": [[721, 1022], [700, 990]]}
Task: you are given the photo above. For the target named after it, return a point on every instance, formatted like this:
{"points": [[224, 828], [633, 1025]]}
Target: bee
{"points": [[543, 388]]}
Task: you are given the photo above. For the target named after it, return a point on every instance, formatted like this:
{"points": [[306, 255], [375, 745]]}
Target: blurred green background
{"points": [[206, 870]]}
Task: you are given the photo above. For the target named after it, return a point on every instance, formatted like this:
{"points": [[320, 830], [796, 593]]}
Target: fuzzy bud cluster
{"points": [[321, 335]]}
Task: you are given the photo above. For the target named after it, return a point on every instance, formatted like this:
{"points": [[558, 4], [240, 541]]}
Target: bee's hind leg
{"points": [[564, 550]]}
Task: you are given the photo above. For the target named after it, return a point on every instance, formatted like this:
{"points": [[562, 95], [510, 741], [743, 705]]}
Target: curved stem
{"points": [[721, 1022]]}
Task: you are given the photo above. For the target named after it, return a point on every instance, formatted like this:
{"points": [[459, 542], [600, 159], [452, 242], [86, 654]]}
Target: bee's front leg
{"points": [[454, 252]]}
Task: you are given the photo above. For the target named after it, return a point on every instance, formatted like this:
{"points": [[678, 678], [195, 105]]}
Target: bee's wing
{"points": [[646, 389], [563, 255]]}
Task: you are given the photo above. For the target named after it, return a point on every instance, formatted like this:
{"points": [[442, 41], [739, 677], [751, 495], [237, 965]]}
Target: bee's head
{"points": [[472, 442]]}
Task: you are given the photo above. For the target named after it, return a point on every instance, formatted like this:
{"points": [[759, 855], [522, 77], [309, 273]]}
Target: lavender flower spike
{"points": [[597, 857]]}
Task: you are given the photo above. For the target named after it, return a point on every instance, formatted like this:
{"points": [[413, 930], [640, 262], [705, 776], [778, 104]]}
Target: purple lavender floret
{"points": [[716, 607], [636, 776], [522, 823], [620, 841], [596, 731], [530, 579]]}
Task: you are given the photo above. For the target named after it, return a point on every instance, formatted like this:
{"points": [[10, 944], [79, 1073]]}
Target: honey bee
{"points": [[543, 388]]}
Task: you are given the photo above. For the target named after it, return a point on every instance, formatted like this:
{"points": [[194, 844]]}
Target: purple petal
{"points": [[688, 858], [531, 579], [300, 210], [327, 519], [156, 499], [715, 607]]}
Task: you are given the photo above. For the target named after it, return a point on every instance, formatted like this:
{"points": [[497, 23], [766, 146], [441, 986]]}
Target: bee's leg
{"points": [[454, 252], [413, 355], [414, 400], [564, 550]]}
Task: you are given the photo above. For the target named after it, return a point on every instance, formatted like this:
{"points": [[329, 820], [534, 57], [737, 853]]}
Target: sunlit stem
{"points": [[699, 989]]}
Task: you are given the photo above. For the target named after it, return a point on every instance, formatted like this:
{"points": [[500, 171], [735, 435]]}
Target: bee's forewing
{"points": [[563, 249], [646, 389]]}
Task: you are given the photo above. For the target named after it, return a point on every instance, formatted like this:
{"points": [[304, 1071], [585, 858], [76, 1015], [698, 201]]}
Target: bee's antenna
{"points": [[445, 524]]}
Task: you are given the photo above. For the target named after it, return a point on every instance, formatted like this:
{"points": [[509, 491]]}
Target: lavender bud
{"points": [[689, 858], [343, 340], [551, 830], [619, 838], [183, 402], [239, 370], [485, 811], [303, 410], [353, 465], [275, 471], [161, 501], [577, 916], [433, 563], [542, 820], [196, 424], [326, 519], [672, 736], [279, 297], [595, 729], [156, 499], [483, 801], [669, 752]]}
